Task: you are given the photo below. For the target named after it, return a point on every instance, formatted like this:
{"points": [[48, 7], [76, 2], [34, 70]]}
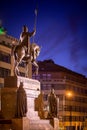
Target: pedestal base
{"points": [[9, 95], [9, 102], [40, 125], [20, 124], [55, 123]]}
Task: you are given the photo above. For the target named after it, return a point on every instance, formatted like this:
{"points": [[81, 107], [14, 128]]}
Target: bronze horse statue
{"points": [[20, 55]]}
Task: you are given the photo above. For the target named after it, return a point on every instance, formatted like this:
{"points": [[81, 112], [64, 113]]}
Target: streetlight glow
{"points": [[69, 94]]}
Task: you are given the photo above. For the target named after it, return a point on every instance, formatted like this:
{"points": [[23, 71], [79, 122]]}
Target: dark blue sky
{"points": [[61, 28]]}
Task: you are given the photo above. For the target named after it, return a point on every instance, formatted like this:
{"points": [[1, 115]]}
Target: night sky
{"points": [[61, 28]]}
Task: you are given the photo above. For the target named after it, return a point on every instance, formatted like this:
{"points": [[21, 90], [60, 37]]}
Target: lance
{"points": [[35, 21]]}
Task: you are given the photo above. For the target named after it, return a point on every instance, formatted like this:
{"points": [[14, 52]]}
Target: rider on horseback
{"points": [[25, 52], [25, 39]]}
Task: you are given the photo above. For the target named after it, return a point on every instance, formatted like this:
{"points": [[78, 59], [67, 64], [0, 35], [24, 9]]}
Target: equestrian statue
{"points": [[25, 51]]}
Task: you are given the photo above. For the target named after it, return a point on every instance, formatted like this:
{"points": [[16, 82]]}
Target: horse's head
{"points": [[37, 51]]}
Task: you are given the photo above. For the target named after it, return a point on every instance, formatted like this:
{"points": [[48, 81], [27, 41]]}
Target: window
{"points": [[34, 76], [49, 76], [4, 72], [5, 57], [44, 76], [43, 87], [6, 44], [1, 85]]}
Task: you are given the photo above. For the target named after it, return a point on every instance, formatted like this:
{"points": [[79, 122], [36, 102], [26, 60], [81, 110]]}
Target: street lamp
{"points": [[69, 95], [63, 114]]}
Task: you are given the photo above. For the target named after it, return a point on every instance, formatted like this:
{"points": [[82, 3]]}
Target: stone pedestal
{"points": [[9, 100], [9, 95], [20, 124], [55, 123]]}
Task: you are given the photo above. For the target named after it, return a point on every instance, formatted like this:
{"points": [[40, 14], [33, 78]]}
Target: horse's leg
{"points": [[18, 54], [37, 67], [18, 61], [16, 70]]}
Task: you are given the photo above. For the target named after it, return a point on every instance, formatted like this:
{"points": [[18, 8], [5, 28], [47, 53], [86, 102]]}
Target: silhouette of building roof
{"points": [[50, 66]]}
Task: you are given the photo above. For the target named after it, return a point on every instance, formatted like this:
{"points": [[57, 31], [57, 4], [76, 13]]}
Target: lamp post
{"points": [[63, 114], [69, 95]]}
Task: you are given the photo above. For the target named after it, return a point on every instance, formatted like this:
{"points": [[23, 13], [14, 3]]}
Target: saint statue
{"points": [[21, 105], [52, 102], [40, 105]]}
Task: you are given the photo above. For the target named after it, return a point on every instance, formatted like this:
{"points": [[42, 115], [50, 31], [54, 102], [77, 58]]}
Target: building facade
{"points": [[71, 89], [72, 110]]}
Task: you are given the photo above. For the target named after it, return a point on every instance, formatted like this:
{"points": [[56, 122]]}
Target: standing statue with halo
{"points": [[25, 51]]}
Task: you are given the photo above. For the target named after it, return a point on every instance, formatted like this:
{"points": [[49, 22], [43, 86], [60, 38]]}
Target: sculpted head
{"points": [[25, 28]]}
